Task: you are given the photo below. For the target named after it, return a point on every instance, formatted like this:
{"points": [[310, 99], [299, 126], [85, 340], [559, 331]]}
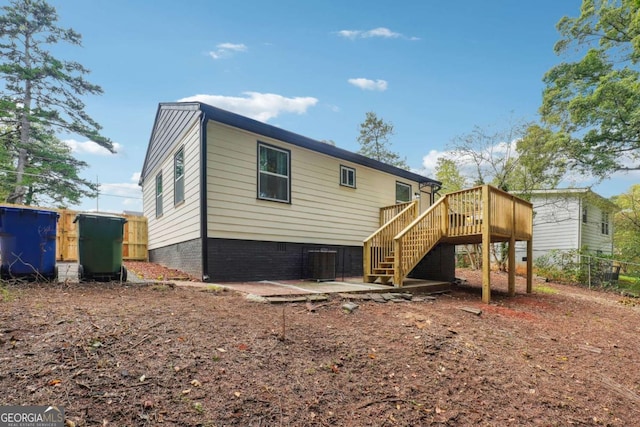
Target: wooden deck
{"points": [[480, 215]]}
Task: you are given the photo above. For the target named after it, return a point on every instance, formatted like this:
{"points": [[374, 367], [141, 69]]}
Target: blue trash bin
{"points": [[28, 243]]}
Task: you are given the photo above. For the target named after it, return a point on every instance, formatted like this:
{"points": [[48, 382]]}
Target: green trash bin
{"points": [[100, 247]]}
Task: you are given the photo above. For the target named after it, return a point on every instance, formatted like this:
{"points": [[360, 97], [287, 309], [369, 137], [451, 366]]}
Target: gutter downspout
{"points": [[203, 198]]}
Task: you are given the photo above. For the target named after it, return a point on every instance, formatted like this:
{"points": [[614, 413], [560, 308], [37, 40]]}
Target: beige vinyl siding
{"points": [[321, 210], [181, 222]]}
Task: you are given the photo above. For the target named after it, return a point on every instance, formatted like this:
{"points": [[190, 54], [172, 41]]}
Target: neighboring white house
{"points": [[568, 220], [231, 198]]}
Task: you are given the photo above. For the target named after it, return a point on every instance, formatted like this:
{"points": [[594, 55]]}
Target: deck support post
{"points": [[512, 252], [486, 244], [398, 274], [512, 266], [366, 263], [529, 266]]}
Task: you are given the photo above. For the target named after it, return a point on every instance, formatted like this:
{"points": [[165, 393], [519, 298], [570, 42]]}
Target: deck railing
{"points": [[464, 212], [387, 213], [509, 215], [379, 245]]}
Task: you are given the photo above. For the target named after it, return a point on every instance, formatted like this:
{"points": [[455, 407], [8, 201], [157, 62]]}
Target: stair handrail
{"points": [[424, 233], [382, 238]]}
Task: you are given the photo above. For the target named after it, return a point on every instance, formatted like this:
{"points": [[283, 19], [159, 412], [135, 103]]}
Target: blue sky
{"points": [[434, 69]]}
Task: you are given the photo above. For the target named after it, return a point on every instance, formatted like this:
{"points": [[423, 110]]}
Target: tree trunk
{"points": [[19, 190]]}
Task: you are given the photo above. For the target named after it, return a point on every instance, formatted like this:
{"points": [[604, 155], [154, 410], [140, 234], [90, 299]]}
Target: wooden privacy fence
{"points": [[134, 242]]}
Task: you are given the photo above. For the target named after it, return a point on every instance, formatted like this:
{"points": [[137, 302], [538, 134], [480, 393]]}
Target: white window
{"points": [[605, 223], [159, 194], [274, 181], [403, 192], [178, 177], [347, 176]]}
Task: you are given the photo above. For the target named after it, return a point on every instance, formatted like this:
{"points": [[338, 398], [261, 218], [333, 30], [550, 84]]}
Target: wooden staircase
{"points": [[478, 215], [384, 271], [399, 245], [379, 256]]}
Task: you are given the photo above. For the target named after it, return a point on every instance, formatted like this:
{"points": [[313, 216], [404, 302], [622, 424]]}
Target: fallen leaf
{"points": [[243, 347], [187, 391], [236, 394], [196, 383], [221, 350], [143, 377], [54, 382]]}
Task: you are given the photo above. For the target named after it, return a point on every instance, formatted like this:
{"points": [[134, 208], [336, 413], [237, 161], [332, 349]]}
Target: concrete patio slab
{"points": [[298, 287]]}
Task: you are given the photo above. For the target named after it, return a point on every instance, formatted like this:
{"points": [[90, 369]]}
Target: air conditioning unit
{"points": [[322, 265]]}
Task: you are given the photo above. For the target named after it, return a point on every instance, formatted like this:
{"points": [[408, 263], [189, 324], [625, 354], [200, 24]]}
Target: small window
{"points": [[584, 214], [159, 195], [273, 173], [178, 174], [605, 223], [347, 176], [403, 192]]}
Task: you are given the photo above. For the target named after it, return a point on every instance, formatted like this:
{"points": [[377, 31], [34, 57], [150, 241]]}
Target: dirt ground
{"points": [[153, 354]]}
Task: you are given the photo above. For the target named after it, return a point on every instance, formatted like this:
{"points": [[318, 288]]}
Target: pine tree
{"points": [[41, 93], [374, 141]]}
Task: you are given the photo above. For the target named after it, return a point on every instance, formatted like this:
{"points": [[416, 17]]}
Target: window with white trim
{"points": [[178, 177], [347, 176], [605, 223], [274, 178], [159, 195], [403, 192]]}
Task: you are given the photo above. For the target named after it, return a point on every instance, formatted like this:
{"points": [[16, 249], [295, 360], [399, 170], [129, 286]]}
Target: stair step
{"points": [[383, 271], [384, 278]]}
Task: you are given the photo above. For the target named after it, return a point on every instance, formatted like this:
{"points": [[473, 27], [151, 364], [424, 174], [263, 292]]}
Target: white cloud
{"points": [[90, 147], [136, 177], [381, 32], [259, 106], [465, 162], [430, 161], [125, 189], [376, 32], [226, 49], [116, 197], [367, 84], [349, 34]]}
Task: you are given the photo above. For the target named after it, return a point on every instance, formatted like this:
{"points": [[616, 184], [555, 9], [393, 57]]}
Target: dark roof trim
{"points": [[251, 125], [150, 152]]}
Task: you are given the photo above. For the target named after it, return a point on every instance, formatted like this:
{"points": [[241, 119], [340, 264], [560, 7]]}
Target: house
{"points": [[569, 220], [229, 198]]}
